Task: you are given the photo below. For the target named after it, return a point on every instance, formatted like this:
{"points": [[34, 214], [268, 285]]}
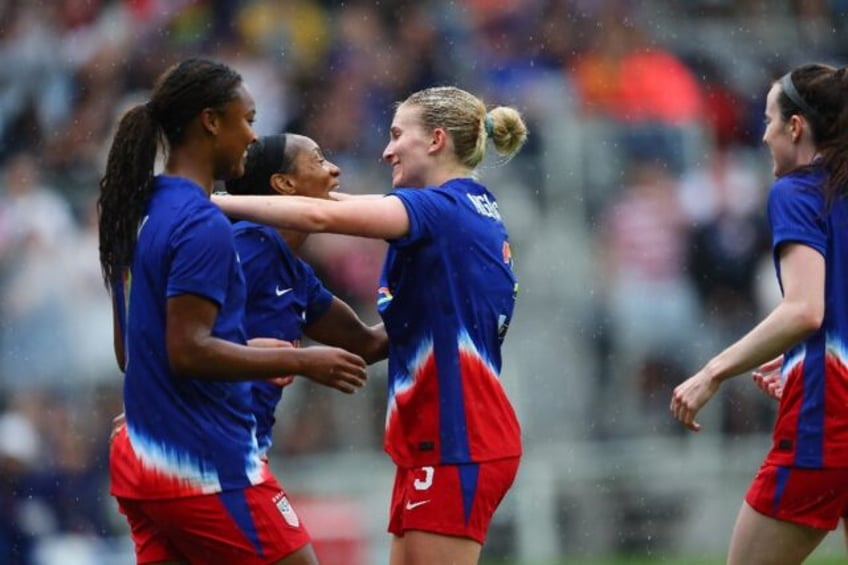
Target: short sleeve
{"points": [[318, 297], [202, 255], [796, 214], [426, 208]]}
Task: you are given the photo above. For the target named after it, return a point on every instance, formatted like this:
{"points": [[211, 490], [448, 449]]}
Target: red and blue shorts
{"points": [[453, 500], [817, 498], [253, 526]]}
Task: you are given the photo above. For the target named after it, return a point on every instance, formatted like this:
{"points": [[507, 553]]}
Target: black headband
{"points": [[272, 154], [792, 93], [265, 157]]}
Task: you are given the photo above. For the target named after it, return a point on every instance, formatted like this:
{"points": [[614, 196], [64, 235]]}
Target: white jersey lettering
{"points": [[484, 206]]}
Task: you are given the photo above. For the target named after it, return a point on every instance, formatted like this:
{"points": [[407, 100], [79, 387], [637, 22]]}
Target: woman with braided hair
{"points": [[185, 467], [801, 489]]}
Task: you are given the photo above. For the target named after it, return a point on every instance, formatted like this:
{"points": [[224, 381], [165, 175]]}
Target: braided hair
{"points": [[180, 94]]}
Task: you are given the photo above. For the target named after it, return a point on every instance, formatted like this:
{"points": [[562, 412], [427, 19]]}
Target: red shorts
{"points": [[256, 525], [453, 500], [810, 497]]}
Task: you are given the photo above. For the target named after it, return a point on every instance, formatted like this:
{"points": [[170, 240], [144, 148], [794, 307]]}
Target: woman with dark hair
{"points": [[186, 468], [285, 299], [801, 490]]}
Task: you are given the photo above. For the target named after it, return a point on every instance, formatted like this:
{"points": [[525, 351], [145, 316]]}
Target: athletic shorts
{"points": [[809, 497], [453, 500], [253, 526]]}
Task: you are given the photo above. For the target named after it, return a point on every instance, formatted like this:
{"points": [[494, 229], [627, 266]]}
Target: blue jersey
{"points": [[283, 297], [447, 293], [812, 422], [186, 436]]}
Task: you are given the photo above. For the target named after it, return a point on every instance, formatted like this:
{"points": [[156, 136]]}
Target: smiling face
{"points": [[778, 135], [311, 173], [408, 150], [234, 134]]}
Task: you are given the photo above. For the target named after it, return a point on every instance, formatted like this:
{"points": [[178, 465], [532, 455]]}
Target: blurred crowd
{"points": [[669, 177]]}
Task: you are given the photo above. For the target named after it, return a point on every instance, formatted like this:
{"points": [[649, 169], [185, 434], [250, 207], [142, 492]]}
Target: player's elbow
{"points": [[810, 317], [315, 219], [183, 357], [380, 346]]}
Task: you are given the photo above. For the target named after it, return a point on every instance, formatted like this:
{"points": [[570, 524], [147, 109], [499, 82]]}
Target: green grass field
{"points": [[677, 560]]}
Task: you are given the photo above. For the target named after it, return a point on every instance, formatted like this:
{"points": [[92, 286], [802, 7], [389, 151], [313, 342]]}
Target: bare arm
{"points": [[339, 196], [194, 352], [377, 218], [117, 338], [341, 327], [800, 313]]}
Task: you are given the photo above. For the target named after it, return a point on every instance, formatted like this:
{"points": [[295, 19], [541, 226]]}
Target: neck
{"points": [[187, 164], [294, 239], [443, 175]]}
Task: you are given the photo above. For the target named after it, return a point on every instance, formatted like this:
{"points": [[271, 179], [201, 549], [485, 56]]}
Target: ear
{"points": [[210, 120], [282, 183], [796, 127], [438, 141]]}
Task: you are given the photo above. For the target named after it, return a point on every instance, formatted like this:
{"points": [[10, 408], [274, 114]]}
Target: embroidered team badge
{"points": [[286, 510]]}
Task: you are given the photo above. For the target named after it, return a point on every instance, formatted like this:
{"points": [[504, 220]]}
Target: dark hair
{"points": [[267, 156], [180, 94], [819, 93]]}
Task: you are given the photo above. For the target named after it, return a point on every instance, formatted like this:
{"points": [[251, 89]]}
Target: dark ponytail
{"points": [[179, 96], [821, 96], [125, 188]]}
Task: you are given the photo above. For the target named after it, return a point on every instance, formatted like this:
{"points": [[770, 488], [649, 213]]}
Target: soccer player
{"points": [[446, 295], [285, 300], [801, 490], [186, 469]]}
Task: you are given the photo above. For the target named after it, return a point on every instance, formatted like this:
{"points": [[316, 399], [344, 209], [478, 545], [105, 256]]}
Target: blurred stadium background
{"points": [[636, 211]]}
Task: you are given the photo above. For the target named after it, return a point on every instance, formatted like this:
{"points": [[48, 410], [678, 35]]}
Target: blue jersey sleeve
{"points": [[257, 255], [426, 208], [318, 298], [201, 255], [796, 214]]}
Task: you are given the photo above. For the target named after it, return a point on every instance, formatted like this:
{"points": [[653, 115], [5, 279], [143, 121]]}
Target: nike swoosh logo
{"points": [[282, 291], [412, 505]]}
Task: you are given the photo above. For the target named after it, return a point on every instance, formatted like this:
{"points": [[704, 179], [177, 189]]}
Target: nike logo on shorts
{"points": [[413, 505]]}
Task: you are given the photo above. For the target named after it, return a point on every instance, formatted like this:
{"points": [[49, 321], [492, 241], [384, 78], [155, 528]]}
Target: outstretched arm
{"points": [[339, 196], [377, 218], [800, 313], [341, 327]]}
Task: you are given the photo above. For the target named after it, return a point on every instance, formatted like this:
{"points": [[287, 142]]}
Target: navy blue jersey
{"points": [[446, 296], [283, 297], [812, 423], [186, 436]]}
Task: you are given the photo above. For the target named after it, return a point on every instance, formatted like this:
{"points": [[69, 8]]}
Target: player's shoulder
{"points": [[251, 230], [804, 185]]}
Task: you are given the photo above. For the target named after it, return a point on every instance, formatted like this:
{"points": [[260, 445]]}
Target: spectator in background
{"points": [[19, 453], [39, 223], [651, 304], [729, 240], [626, 78]]}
